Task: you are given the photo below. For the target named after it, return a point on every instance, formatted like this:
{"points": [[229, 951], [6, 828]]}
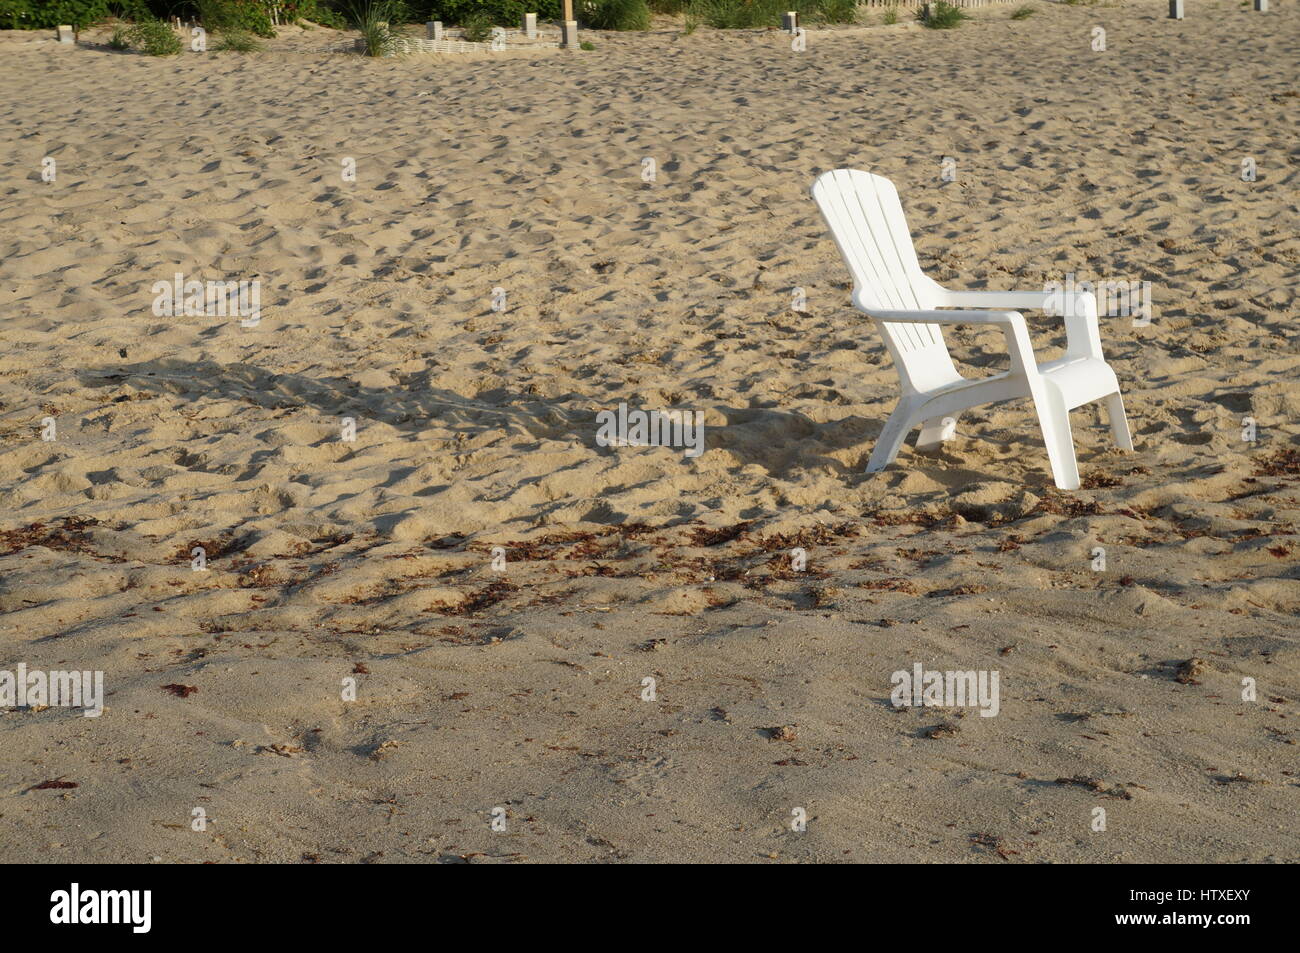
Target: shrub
{"points": [[119, 41], [237, 41], [1023, 13], [132, 10], [617, 15], [837, 11], [251, 15], [22, 15], [500, 12], [477, 27], [155, 38], [316, 11], [751, 14], [739, 14], [586, 45], [377, 21], [669, 7], [941, 15], [47, 14], [229, 16], [890, 17]]}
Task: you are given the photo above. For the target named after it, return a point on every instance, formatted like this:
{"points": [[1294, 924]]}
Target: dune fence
{"points": [[916, 4]]}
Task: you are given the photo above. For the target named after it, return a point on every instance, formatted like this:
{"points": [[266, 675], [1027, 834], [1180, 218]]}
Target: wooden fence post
{"points": [[569, 28]]}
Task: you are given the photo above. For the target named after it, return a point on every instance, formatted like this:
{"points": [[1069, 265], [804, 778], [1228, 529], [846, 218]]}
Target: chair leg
{"points": [[936, 431], [891, 438], [1119, 431], [1054, 420]]}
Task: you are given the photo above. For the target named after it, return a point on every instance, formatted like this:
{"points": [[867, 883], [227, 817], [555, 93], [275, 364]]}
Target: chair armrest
{"points": [[1078, 307], [1028, 300], [1012, 323], [946, 317]]}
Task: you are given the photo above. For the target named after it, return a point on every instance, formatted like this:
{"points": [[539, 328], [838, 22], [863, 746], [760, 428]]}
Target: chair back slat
{"points": [[866, 220]]}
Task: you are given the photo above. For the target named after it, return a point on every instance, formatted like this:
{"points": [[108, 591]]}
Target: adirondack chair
{"points": [[866, 221]]}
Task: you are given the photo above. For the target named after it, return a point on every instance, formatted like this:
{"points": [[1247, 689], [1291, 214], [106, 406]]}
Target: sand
{"points": [[522, 689]]}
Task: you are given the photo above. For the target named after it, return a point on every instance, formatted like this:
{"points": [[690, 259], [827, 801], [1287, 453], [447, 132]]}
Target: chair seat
{"points": [[1080, 380]]}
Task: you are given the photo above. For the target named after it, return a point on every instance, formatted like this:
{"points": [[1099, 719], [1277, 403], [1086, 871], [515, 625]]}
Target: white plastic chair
{"points": [[866, 221]]}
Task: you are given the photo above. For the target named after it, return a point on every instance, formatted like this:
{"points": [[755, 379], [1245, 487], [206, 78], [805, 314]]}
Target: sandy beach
{"points": [[517, 693]]}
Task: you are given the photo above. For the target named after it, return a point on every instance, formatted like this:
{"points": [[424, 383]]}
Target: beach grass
{"points": [[375, 20], [477, 28], [619, 15], [154, 38], [941, 16]]}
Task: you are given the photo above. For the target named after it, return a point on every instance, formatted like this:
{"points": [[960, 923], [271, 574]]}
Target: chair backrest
{"points": [[866, 220]]}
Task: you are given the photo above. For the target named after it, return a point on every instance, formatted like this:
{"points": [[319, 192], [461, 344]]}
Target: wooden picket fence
{"points": [[417, 44], [913, 4], [452, 41]]}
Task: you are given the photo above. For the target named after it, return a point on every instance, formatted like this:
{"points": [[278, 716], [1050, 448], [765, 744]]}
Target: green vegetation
{"points": [[234, 16], [617, 15], [737, 14], [236, 41], [252, 16], [1023, 13], [477, 27], [586, 45], [754, 14], [154, 38], [377, 22], [317, 11], [47, 14], [837, 11], [236, 21], [507, 13], [941, 15]]}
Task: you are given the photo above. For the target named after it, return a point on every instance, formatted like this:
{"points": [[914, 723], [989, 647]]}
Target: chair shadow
{"points": [[406, 408], [776, 440]]}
